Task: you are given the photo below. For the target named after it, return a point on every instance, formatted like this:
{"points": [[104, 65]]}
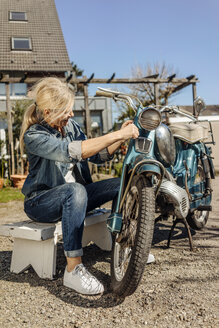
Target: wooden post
{"points": [[10, 131], [194, 95], [156, 93], [87, 112]]}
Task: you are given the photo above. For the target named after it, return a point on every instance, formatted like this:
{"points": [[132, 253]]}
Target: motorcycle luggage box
{"points": [[189, 132]]}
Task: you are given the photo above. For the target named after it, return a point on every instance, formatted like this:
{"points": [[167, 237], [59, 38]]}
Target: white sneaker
{"points": [[82, 281], [151, 258]]}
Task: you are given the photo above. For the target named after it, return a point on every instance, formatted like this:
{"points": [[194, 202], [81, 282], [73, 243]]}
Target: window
{"points": [[2, 89], [21, 44], [79, 118], [17, 16], [96, 121], [19, 89], [16, 89]]}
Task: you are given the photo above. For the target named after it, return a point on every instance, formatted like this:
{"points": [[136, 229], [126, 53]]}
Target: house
{"points": [[31, 39], [32, 45]]}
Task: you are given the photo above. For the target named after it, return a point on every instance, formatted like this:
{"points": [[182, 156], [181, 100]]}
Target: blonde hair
{"points": [[48, 93]]}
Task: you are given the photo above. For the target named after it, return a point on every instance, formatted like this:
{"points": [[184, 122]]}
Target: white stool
{"points": [[36, 243]]}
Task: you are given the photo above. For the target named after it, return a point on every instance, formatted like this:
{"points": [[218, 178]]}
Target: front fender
{"points": [[149, 168], [146, 165]]}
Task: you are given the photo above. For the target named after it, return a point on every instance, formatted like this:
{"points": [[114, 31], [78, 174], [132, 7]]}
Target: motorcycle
{"points": [[167, 171]]}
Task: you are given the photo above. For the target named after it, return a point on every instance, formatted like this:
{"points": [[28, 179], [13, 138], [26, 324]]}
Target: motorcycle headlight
{"points": [[150, 118]]}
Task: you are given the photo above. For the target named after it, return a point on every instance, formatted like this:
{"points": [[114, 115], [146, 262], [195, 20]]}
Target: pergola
{"points": [[179, 83]]}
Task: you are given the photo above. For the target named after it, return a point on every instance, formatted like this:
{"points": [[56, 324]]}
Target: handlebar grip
{"points": [[104, 94]]}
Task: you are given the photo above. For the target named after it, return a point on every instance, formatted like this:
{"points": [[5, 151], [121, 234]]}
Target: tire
{"points": [[198, 219], [132, 246]]}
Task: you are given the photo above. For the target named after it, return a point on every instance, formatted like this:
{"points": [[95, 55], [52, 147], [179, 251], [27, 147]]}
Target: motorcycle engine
{"points": [[166, 149], [171, 193]]}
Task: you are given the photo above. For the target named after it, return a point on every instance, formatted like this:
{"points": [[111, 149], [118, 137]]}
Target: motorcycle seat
{"points": [[189, 132]]}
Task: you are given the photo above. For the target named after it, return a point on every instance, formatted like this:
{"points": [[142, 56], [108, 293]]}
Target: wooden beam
{"points": [[111, 78], [30, 80], [87, 112], [156, 93], [190, 80], [194, 91], [194, 95], [134, 80], [10, 130], [22, 80], [171, 77], [154, 76], [90, 78]]}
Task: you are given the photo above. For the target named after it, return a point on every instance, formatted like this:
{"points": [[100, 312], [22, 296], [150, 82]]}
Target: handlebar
{"points": [[177, 110], [100, 93], [116, 95]]}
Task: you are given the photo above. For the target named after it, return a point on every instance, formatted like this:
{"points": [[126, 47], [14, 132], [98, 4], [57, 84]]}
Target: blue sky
{"points": [[103, 37]]}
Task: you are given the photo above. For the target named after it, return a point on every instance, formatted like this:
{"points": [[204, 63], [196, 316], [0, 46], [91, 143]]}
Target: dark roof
{"points": [[210, 110], [42, 26]]}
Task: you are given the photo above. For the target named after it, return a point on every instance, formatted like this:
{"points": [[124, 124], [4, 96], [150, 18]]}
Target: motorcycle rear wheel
{"points": [[198, 219], [132, 246]]}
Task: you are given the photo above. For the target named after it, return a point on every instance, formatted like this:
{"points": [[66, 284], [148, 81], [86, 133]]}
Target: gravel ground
{"points": [[178, 290]]}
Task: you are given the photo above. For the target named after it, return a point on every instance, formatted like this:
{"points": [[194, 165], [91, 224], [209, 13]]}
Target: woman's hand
{"points": [[129, 130], [126, 123], [111, 140]]}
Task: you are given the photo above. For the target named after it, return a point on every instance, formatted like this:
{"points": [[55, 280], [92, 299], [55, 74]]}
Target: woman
{"points": [[59, 186]]}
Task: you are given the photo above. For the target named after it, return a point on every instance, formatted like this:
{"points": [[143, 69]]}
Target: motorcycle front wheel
{"points": [[132, 245]]}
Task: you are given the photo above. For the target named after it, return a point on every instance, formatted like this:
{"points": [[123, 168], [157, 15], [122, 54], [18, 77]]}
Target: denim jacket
{"points": [[50, 155]]}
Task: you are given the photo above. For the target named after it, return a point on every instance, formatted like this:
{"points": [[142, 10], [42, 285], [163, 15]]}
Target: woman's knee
{"points": [[77, 192]]}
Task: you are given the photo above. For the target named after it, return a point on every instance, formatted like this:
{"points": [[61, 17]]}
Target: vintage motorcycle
{"points": [[167, 171]]}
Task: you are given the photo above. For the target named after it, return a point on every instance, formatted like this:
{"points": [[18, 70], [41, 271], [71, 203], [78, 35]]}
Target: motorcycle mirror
{"points": [[199, 105]]}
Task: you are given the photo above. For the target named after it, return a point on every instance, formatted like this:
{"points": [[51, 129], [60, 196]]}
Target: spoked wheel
{"points": [[132, 245], [198, 219]]}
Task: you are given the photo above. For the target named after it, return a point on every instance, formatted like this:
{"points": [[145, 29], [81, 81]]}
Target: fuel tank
{"points": [[165, 145]]}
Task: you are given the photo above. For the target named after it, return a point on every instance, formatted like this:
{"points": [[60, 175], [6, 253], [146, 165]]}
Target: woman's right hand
{"points": [[129, 131]]}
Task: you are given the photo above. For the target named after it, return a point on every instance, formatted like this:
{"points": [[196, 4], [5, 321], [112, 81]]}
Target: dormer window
{"points": [[17, 16], [21, 43]]}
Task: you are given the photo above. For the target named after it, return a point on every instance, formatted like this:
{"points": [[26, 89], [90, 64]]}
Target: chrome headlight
{"points": [[150, 118]]}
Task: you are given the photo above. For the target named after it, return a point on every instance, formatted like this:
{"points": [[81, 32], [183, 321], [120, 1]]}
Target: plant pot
{"points": [[1, 183], [18, 180]]}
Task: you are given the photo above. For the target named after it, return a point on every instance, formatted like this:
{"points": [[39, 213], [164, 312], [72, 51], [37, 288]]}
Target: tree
{"points": [[145, 92], [19, 107]]}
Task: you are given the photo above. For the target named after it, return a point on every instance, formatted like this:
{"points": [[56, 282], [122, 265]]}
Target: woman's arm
{"points": [[112, 140]]}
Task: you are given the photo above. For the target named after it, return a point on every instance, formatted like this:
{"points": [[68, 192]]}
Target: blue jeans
{"points": [[70, 202]]}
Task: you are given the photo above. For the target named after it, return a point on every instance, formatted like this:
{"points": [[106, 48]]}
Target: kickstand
{"points": [[188, 231]]}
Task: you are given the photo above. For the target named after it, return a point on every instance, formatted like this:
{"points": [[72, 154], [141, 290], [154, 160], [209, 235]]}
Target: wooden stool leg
{"points": [[41, 255], [99, 234]]}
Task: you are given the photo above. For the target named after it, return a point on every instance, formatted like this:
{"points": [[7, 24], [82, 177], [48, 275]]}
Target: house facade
{"points": [[32, 45]]}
